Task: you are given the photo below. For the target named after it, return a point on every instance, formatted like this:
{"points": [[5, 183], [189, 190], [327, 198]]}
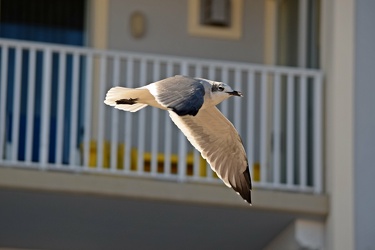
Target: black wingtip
{"points": [[247, 196], [244, 186]]}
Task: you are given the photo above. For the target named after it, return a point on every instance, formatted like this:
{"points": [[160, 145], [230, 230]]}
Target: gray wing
{"points": [[183, 95], [217, 140]]}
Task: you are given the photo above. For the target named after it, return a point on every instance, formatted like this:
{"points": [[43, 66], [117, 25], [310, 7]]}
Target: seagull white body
{"points": [[191, 103]]}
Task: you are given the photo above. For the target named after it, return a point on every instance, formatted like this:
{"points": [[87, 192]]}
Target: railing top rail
{"points": [[166, 58]]}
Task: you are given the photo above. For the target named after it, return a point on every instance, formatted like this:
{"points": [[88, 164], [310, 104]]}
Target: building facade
{"points": [[306, 122]]}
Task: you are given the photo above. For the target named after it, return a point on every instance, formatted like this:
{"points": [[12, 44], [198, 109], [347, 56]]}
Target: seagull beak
{"points": [[235, 93]]}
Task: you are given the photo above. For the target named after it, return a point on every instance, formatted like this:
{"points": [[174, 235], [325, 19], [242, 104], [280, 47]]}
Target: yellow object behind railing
{"points": [[106, 155], [93, 154], [147, 156], [256, 171]]}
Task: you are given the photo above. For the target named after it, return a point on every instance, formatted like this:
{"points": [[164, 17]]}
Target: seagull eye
{"points": [[220, 88]]}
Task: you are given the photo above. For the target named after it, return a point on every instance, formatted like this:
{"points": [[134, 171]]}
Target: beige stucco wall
{"points": [[167, 31]]}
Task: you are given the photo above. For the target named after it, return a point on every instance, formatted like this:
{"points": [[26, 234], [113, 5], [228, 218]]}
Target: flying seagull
{"points": [[191, 103]]}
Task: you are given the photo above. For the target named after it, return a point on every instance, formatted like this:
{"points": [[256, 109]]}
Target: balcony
{"points": [[52, 116]]}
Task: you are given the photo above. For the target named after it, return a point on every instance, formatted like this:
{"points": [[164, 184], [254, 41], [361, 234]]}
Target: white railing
{"points": [[52, 116]]}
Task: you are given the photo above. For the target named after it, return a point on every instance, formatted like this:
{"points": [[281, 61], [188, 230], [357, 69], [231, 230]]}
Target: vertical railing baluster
{"points": [[128, 117], [60, 108], [74, 112], [155, 124], [87, 111], [16, 104], [264, 128], [303, 131], [100, 139], [168, 130], [276, 128], [290, 148], [318, 137], [115, 113], [46, 106], [3, 99], [237, 117], [141, 121], [251, 121], [30, 104], [237, 101]]}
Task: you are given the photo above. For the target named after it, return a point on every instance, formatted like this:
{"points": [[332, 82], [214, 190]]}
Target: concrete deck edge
{"points": [[282, 201]]}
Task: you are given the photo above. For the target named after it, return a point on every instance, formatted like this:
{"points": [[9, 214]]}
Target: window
{"points": [[215, 18], [215, 13]]}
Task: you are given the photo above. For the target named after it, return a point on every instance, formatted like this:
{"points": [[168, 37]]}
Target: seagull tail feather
{"points": [[125, 99]]}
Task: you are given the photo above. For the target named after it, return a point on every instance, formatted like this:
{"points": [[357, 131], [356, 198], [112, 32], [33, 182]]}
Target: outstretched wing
{"points": [[183, 95], [214, 136]]}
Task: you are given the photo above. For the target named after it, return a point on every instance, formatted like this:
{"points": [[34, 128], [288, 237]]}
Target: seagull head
{"points": [[221, 91], [220, 88]]}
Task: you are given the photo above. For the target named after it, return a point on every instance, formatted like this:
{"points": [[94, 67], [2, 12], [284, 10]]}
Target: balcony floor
{"points": [[57, 210]]}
